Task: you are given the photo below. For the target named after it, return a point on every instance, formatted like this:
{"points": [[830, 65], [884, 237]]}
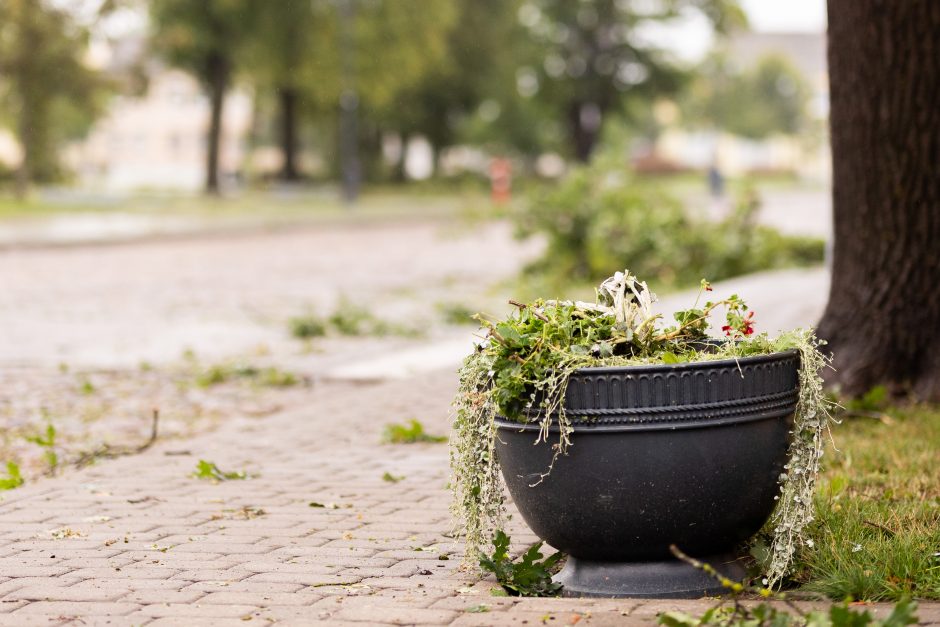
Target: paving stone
{"points": [[396, 615], [195, 610], [150, 597], [13, 620], [69, 593], [261, 599], [8, 605], [73, 608], [191, 621]]}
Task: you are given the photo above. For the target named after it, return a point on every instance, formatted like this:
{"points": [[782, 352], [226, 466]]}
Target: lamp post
{"points": [[351, 169]]}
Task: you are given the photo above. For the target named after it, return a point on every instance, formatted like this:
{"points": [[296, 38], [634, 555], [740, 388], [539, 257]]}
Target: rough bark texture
{"points": [[883, 317], [583, 135], [288, 99], [217, 75]]}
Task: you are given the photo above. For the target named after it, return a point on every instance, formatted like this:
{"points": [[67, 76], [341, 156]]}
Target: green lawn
{"points": [[877, 534], [313, 202]]}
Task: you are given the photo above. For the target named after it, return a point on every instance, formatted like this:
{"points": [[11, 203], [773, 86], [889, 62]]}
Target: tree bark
{"points": [[24, 174], [218, 69], [882, 321], [288, 100], [400, 171], [583, 131]]}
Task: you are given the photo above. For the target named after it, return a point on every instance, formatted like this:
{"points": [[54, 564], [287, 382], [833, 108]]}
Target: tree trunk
{"points": [[883, 317], [400, 173], [583, 128], [24, 171], [288, 101], [217, 78]]}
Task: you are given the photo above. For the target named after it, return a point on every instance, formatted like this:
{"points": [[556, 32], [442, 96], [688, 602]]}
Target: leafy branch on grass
{"points": [[737, 614], [409, 433], [209, 471], [529, 577]]}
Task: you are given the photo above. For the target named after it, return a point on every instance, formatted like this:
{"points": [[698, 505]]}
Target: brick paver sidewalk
{"points": [[138, 541]]}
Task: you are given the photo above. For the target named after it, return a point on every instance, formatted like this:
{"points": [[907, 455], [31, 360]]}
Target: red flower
{"points": [[748, 323], [727, 329]]}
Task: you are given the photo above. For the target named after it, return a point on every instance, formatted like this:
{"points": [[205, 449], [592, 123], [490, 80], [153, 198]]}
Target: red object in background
{"points": [[500, 180]]}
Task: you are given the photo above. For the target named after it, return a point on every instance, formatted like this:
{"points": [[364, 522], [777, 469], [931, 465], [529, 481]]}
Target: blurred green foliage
{"points": [[601, 217], [770, 97], [47, 93], [586, 61]]}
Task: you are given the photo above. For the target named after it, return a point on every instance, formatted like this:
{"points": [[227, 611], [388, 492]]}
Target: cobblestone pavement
{"points": [[93, 338], [314, 534]]}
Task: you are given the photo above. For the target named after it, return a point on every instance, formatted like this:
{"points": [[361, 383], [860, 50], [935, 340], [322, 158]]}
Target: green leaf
{"points": [[843, 616], [677, 619], [902, 614], [209, 471], [13, 479], [528, 577], [511, 337]]}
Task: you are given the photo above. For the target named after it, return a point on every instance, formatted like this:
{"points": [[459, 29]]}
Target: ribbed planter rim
{"points": [[691, 365], [671, 415]]}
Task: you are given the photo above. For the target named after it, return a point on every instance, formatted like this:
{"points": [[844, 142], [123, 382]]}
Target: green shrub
{"points": [[306, 327], [409, 433], [599, 218]]}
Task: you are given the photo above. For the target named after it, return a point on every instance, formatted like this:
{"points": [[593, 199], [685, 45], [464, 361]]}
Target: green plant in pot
{"points": [[618, 434]]}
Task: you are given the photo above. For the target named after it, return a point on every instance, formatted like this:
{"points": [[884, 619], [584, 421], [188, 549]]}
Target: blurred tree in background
{"points": [[281, 41], [480, 44], [204, 38], [771, 97], [342, 87], [592, 57], [320, 56], [45, 87]]}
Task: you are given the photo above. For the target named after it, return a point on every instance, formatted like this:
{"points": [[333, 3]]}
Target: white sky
{"points": [[691, 38], [791, 15]]}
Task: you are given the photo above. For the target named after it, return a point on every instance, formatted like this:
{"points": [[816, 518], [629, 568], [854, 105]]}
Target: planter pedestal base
{"points": [[668, 579]]}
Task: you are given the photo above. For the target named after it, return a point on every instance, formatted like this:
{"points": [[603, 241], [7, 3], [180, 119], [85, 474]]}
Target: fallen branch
{"points": [[106, 451]]}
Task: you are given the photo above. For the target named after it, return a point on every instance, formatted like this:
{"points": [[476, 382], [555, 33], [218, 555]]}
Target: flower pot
{"points": [[686, 454]]}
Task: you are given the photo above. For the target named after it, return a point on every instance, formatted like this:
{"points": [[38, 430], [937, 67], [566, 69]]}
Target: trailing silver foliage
{"points": [[798, 483], [478, 497]]}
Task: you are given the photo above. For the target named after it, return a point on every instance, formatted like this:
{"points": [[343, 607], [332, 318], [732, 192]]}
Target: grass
{"points": [[350, 320], [265, 377], [456, 313], [307, 326], [410, 433], [316, 202], [877, 534]]}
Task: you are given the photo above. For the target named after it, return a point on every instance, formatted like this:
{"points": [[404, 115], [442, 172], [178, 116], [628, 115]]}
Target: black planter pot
{"points": [[685, 454]]}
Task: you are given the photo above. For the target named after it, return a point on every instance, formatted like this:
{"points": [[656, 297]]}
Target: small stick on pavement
{"points": [[106, 451]]}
